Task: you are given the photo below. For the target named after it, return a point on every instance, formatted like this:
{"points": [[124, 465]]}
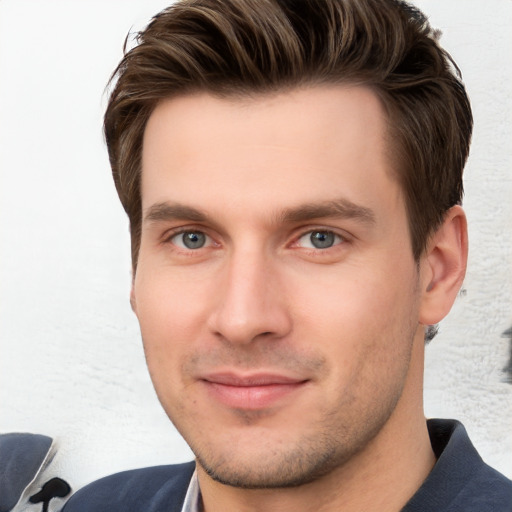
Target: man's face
{"points": [[276, 290]]}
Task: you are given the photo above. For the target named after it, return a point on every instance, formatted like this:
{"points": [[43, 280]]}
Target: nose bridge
{"points": [[250, 303]]}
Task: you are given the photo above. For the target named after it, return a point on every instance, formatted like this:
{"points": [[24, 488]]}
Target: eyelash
{"points": [[337, 239], [340, 239], [169, 235]]}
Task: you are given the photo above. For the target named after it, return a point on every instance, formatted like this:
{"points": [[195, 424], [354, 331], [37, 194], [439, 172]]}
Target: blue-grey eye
{"points": [[190, 240], [319, 239], [322, 239]]}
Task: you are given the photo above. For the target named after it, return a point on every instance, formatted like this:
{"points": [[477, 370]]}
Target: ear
{"points": [[443, 267], [133, 301]]}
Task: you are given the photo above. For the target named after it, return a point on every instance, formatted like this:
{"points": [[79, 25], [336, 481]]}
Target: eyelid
{"points": [[303, 231], [179, 241], [308, 244], [169, 234]]}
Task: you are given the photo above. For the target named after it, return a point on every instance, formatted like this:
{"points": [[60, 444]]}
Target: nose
{"points": [[251, 302]]}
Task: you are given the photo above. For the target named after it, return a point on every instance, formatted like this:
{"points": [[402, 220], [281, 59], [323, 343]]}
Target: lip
{"points": [[253, 391]]}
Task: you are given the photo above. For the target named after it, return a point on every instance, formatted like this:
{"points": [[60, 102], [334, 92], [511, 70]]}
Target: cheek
{"points": [[166, 325], [170, 317], [362, 319], [353, 297], [167, 295], [365, 328]]}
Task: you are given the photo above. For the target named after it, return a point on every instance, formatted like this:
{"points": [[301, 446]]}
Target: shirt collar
{"points": [[193, 500]]}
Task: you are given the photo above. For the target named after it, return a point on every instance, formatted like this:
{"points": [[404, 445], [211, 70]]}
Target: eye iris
{"points": [[193, 240], [322, 239]]}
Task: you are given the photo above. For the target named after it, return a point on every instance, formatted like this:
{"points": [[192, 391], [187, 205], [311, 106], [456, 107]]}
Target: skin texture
{"points": [[293, 371]]}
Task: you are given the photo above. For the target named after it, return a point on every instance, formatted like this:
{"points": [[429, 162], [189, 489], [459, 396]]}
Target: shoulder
{"points": [[153, 489], [479, 487], [487, 489], [460, 481]]}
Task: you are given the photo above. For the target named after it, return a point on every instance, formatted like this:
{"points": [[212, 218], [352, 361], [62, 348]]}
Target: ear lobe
{"points": [[443, 267]]}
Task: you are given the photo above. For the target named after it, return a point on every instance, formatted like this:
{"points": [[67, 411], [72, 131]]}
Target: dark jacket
{"points": [[459, 482]]}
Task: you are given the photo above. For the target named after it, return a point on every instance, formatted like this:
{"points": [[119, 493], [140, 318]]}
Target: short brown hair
{"points": [[244, 47]]}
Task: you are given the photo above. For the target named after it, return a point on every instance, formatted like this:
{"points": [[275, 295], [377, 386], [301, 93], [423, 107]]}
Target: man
{"points": [[292, 172]]}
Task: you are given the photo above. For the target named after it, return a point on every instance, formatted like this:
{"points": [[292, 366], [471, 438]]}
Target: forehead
{"points": [[270, 150]]}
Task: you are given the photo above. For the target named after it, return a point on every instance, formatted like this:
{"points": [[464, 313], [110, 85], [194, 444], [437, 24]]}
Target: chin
{"points": [[277, 466]]}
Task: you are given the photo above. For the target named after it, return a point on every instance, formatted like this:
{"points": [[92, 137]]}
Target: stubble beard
{"points": [[302, 461], [338, 437]]}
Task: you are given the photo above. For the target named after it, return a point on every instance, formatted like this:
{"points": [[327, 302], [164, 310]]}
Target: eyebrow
{"points": [[166, 212], [340, 208]]}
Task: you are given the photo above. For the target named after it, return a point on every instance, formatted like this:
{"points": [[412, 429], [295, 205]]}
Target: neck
{"points": [[382, 477]]}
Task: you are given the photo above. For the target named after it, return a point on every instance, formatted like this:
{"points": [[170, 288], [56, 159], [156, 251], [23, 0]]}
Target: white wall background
{"points": [[71, 362]]}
